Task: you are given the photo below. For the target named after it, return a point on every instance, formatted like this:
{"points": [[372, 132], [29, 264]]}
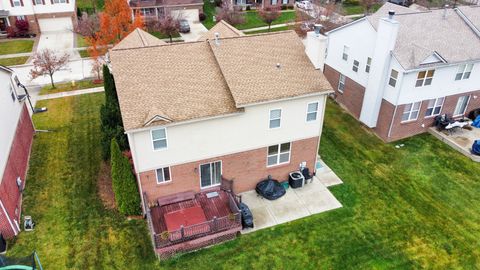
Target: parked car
{"points": [[306, 5], [184, 26], [400, 2]]}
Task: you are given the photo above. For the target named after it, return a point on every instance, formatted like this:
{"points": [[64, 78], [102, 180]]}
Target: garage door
{"points": [[55, 24], [187, 14]]}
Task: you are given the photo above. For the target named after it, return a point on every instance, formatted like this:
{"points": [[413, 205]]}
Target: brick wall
{"points": [[17, 165], [245, 168], [352, 96], [34, 28], [403, 130], [268, 3]]}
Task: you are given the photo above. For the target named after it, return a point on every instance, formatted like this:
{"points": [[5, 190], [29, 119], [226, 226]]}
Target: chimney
{"points": [[445, 11], [316, 47], [217, 41], [387, 31]]}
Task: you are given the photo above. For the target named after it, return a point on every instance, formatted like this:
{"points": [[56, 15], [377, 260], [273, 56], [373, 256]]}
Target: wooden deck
{"points": [[212, 207]]}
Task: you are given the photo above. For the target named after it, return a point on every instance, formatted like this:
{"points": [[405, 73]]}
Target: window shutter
{"points": [[11, 2], [67, 1], [51, 2], [43, 2], [21, 3], [33, 2]]}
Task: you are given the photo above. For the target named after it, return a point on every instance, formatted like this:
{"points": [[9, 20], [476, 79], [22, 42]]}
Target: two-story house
{"points": [[152, 10], [16, 135], [42, 15], [396, 72], [239, 108]]}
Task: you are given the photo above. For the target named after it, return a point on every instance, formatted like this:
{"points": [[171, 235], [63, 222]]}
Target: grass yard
{"points": [[81, 42], [84, 53], [162, 36], [13, 61], [209, 11], [252, 20], [276, 29], [409, 208], [65, 87], [358, 9], [16, 46], [74, 230]]}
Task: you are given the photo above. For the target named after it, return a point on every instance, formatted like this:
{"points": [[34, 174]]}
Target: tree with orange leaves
{"points": [[115, 24]]}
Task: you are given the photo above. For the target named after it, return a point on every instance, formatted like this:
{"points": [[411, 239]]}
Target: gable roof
{"points": [[138, 38], [177, 82], [224, 30], [422, 34]]}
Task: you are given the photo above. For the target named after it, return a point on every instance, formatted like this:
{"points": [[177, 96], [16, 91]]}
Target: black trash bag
{"points": [[247, 216], [270, 189]]}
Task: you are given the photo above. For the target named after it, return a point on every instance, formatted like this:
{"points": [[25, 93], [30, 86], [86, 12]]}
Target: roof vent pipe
{"points": [[445, 11], [317, 28], [217, 41], [390, 14]]}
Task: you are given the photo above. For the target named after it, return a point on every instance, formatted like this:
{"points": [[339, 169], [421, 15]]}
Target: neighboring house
{"points": [[395, 74], [16, 134], [198, 113], [152, 10], [263, 3]]}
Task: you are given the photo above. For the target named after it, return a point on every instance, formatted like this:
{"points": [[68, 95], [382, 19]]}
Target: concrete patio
{"points": [[312, 199], [461, 140]]}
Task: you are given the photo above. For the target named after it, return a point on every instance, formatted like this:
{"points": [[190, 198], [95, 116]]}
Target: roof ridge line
{"points": [[144, 42]]}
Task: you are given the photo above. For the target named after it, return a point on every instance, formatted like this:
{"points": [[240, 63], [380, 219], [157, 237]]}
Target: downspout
{"points": [[317, 154], [396, 107], [8, 218], [134, 157]]}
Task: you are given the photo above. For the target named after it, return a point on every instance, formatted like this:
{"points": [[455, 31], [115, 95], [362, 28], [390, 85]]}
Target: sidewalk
{"points": [[266, 27], [71, 93]]}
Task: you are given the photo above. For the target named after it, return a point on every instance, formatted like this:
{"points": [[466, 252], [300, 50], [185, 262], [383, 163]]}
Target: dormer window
{"points": [[159, 139], [463, 72], [424, 78]]}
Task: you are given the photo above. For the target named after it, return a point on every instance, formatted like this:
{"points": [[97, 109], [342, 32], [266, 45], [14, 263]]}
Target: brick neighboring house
{"points": [[42, 15], [198, 114], [263, 3], [15, 142], [152, 10], [396, 74]]}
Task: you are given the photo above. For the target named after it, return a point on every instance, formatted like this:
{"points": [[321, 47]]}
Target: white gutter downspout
{"points": [[134, 158], [396, 107], [317, 154], [8, 218]]}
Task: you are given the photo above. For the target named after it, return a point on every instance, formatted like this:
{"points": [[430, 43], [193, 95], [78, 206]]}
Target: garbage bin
{"points": [[296, 179]]}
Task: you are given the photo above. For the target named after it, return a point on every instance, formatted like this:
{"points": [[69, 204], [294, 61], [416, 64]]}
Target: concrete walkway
{"points": [[266, 27], [71, 93]]}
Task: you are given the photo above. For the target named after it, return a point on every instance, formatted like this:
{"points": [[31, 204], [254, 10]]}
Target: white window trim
{"points": [[163, 172], [345, 53], [151, 139], [410, 113], [367, 65], [17, 1], [316, 117], [424, 79], [356, 66], [211, 174], [390, 77], [463, 72], [466, 106], [340, 82], [270, 119], [278, 155], [434, 106]]}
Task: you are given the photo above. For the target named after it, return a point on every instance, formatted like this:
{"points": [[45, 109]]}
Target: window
{"points": [[278, 154], [275, 116], [21, 18], [345, 53], [284, 2], [210, 174], [163, 175], [12, 93], [355, 65], [312, 111], [424, 78], [38, 2], [434, 106], [411, 111], [393, 78], [461, 105], [159, 138], [274, 2], [463, 72], [369, 63], [341, 83], [147, 12], [17, 3], [59, 1]]}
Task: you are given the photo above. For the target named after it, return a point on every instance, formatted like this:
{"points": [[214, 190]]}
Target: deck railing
{"points": [[215, 225]]}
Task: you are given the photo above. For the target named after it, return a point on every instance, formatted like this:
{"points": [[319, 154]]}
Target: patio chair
{"points": [[443, 121]]}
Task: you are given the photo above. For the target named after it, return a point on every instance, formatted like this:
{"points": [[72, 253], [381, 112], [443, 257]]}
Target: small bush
{"points": [[284, 7], [351, 2], [202, 17], [290, 7], [22, 27], [123, 182], [248, 8], [11, 32]]}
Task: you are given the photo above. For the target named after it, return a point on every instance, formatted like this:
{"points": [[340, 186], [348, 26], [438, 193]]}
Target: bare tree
{"points": [[168, 26], [97, 67], [47, 62], [88, 25], [269, 14], [231, 15]]}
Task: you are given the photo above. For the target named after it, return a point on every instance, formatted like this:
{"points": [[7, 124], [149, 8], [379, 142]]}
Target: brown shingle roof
{"points": [[184, 81], [224, 30], [138, 38]]}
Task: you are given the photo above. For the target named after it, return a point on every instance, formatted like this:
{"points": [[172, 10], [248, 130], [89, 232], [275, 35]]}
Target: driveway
{"points": [[312, 199], [59, 41], [196, 30]]}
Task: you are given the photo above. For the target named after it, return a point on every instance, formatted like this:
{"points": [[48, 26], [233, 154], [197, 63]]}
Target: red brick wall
{"points": [[268, 3], [403, 130], [352, 96], [245, 168], [17, 165], [34, 28]]}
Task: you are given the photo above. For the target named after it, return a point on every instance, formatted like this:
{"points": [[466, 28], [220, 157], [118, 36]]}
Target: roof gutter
{"points": [[326, 92], [441, 66]]}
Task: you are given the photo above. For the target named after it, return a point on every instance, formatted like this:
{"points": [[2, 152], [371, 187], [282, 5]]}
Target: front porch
{"points": [[460, 139], [188, 221]]}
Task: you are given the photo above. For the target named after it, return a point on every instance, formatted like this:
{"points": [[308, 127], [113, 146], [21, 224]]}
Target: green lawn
{"points": [[162, 36], [65, 87], [252, 20], [409, 208], [84, 53], [209, 11], [16, 46], [81, 42], [87, 5], [358, 9], [13, 61], [276, 29]]}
